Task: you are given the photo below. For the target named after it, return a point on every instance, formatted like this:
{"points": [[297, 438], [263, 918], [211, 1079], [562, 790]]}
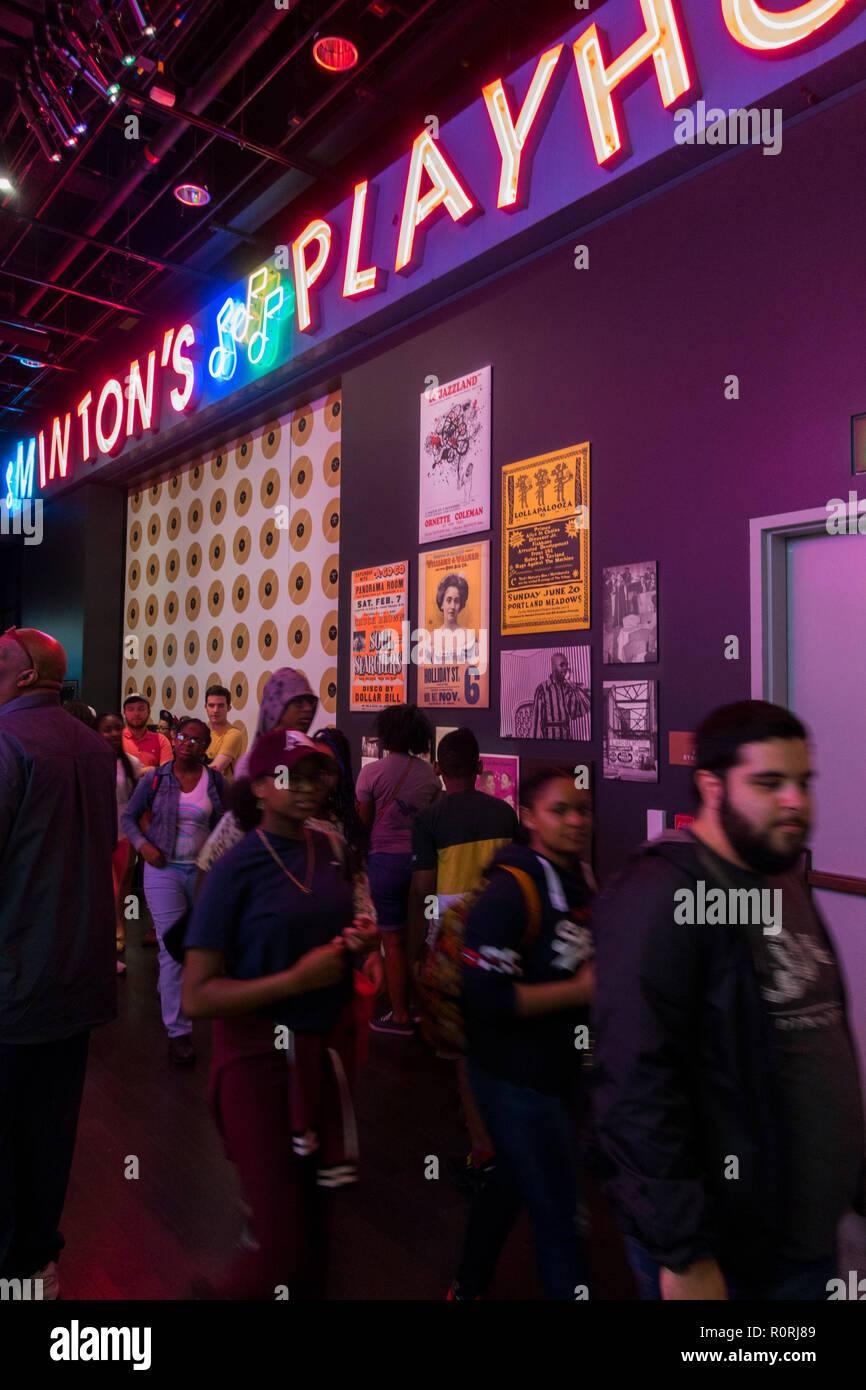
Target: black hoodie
{"points": [[540, 1052], [721, 1081]]}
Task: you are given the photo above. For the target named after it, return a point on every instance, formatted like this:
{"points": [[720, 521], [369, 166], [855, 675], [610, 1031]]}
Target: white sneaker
{"points": [[50, 1280]]}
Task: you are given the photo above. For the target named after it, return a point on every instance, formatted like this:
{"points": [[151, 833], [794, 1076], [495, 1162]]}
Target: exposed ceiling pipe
{"points": [[263, 23]]}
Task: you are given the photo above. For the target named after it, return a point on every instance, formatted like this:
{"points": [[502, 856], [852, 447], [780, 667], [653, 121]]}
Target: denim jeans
{"points": [[535, 1164], [802, 1280], [169, 893]]}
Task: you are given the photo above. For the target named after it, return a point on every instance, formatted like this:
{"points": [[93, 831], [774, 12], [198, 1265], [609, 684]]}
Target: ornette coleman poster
{"points": [[380, 611], [452, 643], [545, 543], [454, 498]]}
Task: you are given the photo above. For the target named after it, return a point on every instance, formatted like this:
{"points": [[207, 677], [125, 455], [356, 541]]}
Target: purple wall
{"points": [[754, 267]]}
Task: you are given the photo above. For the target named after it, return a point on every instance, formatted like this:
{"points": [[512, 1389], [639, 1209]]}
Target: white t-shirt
{"points": [[194, 810]]}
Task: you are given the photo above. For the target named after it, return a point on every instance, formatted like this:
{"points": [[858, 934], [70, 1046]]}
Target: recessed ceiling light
{"points": [[6, 184], [193, 195], [335, 54], [29, 362]]}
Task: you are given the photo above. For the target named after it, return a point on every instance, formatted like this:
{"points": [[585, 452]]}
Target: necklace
{"points": [[308, 876]]}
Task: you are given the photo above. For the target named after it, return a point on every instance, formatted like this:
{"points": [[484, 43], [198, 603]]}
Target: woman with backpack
{"points": [[170, 815], [527, 985], [389, 794]]}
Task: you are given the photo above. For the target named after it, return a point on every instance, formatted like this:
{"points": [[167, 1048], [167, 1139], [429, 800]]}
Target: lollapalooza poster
{"points": [[453, 615], [454, 498], [545, 543], [380, 607]]}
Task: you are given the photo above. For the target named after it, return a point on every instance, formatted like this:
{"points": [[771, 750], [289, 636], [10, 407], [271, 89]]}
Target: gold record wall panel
{"points": [[232, 568]]}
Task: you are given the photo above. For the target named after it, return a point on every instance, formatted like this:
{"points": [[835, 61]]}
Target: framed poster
{"points": [[380, 613], [631, 613], [453, 618], [545, 692], [631, 731], [454, 498], [545, 543], [500, 778], [371, 749]]}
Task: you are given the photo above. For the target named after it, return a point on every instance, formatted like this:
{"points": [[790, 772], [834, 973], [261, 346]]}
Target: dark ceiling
{"points": [[92, 238]]}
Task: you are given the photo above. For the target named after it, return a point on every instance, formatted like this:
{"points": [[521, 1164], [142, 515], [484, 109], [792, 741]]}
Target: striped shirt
{"points": [[555, 706]]}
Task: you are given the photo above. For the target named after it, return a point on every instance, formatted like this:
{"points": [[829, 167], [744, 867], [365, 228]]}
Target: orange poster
{"points": [[380, 597]]}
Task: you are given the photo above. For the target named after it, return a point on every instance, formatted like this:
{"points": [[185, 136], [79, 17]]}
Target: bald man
{"points": [[58, 829]]}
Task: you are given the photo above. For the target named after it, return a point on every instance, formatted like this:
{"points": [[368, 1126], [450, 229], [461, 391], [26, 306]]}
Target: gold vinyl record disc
{"points": [[298, 639], [195, 475], [195, 516], [332, 412], [134, 574], [260, 688], [270, 439], [152, 570], [242, 545], [268, 641], [299, 582], [153, 528], [241, 593], [243, 497], [153, 493], [148, 690], [132, 613], [214, 648], [169, 652], [244, 451], [171, 607], [190, 648], [331, 575], [135, 535], [300, 529], [172, 566], [269, 539], [174, 485], [151, 609], [193, 560], [331, 521], [219, 463], [328, 633], [270, 489], [172, 525], [328, 690], [150, 650], [240, 689], [240, 645], [331, 466], [302, 476], [302, 426], [269, 588], [215, 598], [218, 504], [217, 551], [129, 686], [193, 603], [135, 501], [190, 692], [169, 693]]}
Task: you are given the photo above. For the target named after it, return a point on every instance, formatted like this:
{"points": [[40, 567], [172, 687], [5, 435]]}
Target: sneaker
{"points": [[386, 1024], [181, 1051], [468, 1176], [50, 1282]]}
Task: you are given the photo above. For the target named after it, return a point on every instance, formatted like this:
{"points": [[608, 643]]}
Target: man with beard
{"points": [[726, 1089]]}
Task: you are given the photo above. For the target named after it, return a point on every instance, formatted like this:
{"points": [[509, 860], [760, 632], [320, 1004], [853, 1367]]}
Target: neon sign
{"points": [[251, 324], [19, 476]]}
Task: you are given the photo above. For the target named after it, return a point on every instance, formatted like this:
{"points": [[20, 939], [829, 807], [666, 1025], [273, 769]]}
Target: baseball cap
{"points": [[285, 748], [131, 699]]}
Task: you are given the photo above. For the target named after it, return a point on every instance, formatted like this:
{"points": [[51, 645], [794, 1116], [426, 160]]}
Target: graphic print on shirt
{"points": [[572, 944], [804, 994]]}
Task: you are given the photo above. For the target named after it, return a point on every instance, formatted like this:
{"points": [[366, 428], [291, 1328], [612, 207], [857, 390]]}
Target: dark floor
{"points": [[397, 1236]]}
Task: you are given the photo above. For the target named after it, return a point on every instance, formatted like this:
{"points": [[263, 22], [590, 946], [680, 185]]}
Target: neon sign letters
{"points": [[251, 324], [18, 476]]}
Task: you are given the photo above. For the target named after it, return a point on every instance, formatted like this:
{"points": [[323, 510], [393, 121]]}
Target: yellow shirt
{"points": [[230, 743]]}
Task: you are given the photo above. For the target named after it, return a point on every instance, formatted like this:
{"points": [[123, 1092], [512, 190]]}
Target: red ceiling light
{"points": [[334, 54], [192, 195]]}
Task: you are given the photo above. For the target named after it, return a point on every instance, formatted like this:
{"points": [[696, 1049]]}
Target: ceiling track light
{"points": [[60, 108], [47, 114], [143, 17], [47, 145]]}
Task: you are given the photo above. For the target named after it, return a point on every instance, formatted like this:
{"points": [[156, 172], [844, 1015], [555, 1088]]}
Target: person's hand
{"points": [[153, 856], [702, 1280], [323, 966], [374, 970], [583, 983], [362, 937]]}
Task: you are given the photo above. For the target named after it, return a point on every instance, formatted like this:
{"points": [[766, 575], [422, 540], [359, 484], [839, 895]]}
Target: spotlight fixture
{"points": [[6, 184], [128, 60], [81, 128], [113, 89], [335, 54], [192, 195], [143, 18], [29, 362]]}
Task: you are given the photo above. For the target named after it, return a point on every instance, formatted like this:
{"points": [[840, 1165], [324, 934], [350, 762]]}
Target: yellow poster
{"points": [[453, 622], [545, 543]]}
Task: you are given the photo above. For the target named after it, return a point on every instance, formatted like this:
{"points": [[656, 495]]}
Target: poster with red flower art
{"points": [[454, 497]]}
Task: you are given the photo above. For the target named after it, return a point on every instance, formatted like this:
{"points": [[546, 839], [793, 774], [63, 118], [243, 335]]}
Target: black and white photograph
{"points": [[631, 613], [371, 749], [545, 693], [631, 727]]}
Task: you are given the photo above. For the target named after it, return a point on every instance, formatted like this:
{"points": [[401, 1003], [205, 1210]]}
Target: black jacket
{"points": [[683, 1079], [538, 1052]]}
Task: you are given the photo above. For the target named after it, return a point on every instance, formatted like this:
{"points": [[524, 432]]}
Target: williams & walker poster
{"points": [[453, 623], [380, 610], [545, 543]]}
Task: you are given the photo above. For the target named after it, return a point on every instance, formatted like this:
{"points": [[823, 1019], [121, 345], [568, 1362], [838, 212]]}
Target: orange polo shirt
{"points": [[151, 749]]}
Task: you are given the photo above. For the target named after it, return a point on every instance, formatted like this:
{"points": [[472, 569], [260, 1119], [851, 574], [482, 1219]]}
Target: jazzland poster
{"points": [[380, 608], [454, 623], [545, 543], [454, 498]]}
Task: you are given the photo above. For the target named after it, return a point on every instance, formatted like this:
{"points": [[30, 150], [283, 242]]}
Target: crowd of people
{"points": [[702, 1069]]}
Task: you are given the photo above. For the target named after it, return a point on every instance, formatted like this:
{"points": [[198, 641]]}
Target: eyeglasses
{"points": [[191, 738]]}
